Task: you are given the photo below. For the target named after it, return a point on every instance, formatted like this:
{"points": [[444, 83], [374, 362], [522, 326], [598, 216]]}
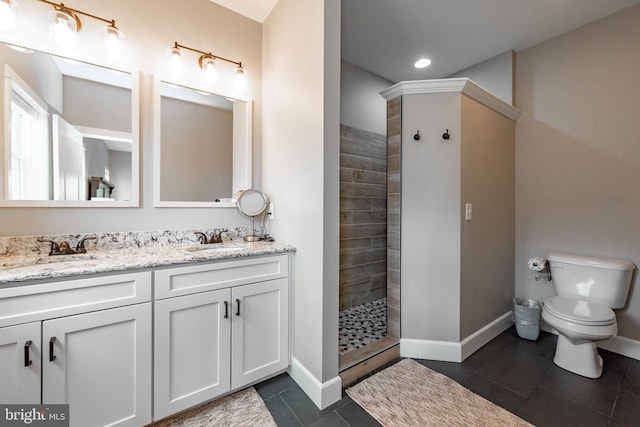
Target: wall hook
{"points": [[417, 136], [446, 135]]}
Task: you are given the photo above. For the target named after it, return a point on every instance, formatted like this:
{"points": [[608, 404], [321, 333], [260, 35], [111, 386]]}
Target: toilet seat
{"points": [[580, 312]]}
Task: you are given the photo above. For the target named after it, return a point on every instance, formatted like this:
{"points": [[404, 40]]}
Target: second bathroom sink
{"points": [[217, 247]]}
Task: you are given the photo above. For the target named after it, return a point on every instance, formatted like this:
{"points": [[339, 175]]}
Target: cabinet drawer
{"points": [[21, 304], [200, 278]]}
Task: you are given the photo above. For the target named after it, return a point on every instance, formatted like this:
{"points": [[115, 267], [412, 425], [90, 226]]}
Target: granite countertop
{"points": [[28, 268]]}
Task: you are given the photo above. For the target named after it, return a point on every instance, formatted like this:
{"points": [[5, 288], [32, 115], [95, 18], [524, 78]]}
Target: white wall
{"points": [[495, 75], [361, 105], [300, 171], [578, 151], [150, 29]]}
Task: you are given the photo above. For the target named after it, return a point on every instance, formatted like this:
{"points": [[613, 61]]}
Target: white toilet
{"points": [[587, 289]]}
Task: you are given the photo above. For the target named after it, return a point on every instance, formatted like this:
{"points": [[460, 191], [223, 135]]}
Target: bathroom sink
{"points": [[68, 259], [49, 264], [217, 247]]}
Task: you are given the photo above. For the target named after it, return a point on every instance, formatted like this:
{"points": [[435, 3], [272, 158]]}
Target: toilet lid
{"points": [[580, 311]]}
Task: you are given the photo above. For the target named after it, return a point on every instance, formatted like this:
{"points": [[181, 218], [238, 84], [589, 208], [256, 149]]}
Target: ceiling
{"points": [[258, 10], [387, 36]]}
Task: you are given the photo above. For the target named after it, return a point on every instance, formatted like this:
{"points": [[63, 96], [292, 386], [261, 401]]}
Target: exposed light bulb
{"points": [[112, 40], [422, 63], [239, 81], [63, 29], [210, 72], [176, 61], [8, 14]]}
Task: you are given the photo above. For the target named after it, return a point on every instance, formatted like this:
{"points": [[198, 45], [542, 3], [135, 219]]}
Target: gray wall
{"points": [[361, 105], [495, 75], [120, 163], [301, 153], [487, 241], [197, 151], [85, 103], [430, 217], [578, 151]]}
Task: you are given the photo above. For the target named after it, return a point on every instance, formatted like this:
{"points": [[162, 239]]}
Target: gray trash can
{"points": [[527, 314]]}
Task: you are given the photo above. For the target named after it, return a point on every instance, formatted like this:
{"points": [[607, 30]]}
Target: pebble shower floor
{"points": [[362, 325]]}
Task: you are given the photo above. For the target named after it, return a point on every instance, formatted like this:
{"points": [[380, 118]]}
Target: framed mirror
{"points": [[70, 132], [202, 146]]}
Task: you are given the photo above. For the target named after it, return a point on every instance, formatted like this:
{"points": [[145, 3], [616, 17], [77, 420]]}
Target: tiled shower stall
{"points": [[363, 238]]}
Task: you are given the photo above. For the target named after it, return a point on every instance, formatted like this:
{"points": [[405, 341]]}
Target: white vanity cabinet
{"points": [[20, 367], [90, 347], [217, 328]]}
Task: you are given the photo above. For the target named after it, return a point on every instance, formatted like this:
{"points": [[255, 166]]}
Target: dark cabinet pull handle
{"points": [[226, 309], [27, 361], [52, 356], [238, 311]]}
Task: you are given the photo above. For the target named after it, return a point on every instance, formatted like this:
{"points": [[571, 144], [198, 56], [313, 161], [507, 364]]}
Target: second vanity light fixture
{"points": [[66, 24], [207, 61]]}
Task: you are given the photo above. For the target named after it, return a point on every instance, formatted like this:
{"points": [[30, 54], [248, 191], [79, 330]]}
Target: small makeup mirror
{"points": [[252, 204]]}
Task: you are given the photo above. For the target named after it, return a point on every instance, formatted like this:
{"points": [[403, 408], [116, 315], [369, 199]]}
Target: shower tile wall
{"points": [[394, 127], [363, 217]]}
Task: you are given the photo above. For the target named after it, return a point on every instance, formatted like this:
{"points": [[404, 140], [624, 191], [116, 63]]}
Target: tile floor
{"points": [[362, 325], [516, 374]]}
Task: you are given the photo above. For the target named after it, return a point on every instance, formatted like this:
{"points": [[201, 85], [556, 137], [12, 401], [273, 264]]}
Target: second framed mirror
{"points": [[202, 146]]}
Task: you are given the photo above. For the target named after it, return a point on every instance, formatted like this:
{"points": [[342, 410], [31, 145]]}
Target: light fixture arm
{"points": [[204, 54], [73, 12]]}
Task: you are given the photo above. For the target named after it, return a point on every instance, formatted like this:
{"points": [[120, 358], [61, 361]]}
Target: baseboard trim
{"points": [[431, 350], [447, 351], [322, 394], [621, 345], [482, 336]]}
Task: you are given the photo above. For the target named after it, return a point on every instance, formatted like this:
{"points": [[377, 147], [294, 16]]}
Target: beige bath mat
{"points": [[244, 408], [410, 394]]}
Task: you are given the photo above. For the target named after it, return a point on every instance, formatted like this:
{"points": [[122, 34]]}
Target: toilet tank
{"points": [[600, 280]]}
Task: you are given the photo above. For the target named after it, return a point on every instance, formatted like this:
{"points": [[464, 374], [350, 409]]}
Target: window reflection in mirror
{"points": [[203, 150], [68, 132]]}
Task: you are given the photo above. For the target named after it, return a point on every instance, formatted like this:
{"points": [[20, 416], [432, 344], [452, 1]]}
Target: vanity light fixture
{"points": [[66, 24], [207, 61], [176, 60], [8, 14]]}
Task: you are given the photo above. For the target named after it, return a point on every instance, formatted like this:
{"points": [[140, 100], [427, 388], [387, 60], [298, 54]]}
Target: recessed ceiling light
{"points": [[422, 63]]}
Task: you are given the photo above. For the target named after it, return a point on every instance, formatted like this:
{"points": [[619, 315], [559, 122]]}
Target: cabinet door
{"points": [[100, 364], [260, 340], [20, 363], [191, 349]]}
